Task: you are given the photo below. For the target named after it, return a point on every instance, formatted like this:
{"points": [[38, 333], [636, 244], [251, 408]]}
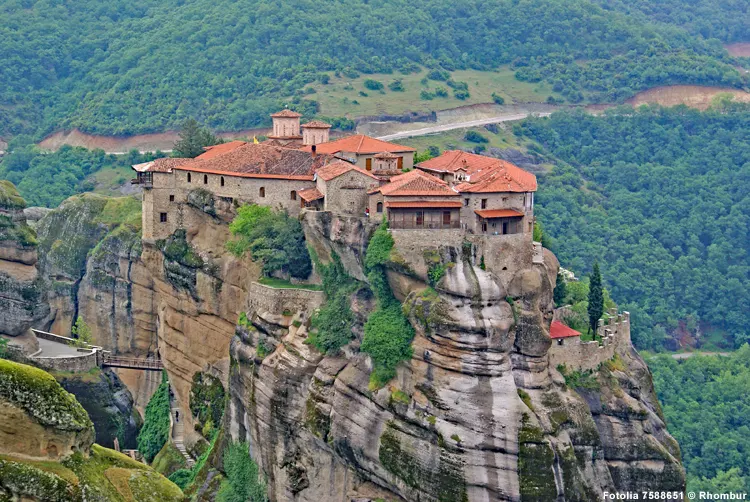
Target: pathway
{"points": [[178, 435], [460, 125], [685, 355], [55, 349]]}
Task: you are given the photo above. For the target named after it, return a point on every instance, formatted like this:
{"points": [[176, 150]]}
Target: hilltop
{"points": [[130, 67]]}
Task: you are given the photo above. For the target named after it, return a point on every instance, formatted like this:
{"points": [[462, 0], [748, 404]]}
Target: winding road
{"points": [[459, 125]]}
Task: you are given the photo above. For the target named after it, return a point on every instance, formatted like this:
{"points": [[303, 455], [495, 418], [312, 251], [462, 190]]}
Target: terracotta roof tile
{"points": [[310, 194], [416, 183], [261, 160], [220, 149], [336, 169], [286, 113], [559, 330], [162, 165], [360, 143], [317, 124], [425, 204], [498, 213], [486, 174]]}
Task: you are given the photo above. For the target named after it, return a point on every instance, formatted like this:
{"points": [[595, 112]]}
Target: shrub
{"points": [[334, 320], [82, 332], [397, 85], [155, 430], [498, 99], [458, 86], [3, 348], [373, 85], [206, 400], [460, 94], [426, 95], [272, 238], [440, 75], [181, 477], [475, 137], [243, 480], [441, 92]]}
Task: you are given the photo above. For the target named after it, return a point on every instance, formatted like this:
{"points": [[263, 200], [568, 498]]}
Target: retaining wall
{"points": [[263, 298], [579, 355]]}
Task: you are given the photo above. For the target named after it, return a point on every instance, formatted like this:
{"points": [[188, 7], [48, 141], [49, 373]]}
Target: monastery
{"points": [[299, 168]]}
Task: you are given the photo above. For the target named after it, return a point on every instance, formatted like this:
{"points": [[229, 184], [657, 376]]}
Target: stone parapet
{"points": [[579, 355], [262, 298]]}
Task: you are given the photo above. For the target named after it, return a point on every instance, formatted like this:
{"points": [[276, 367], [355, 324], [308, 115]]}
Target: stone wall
{"points": [[87, 361], [580, 355], [263, 298], [515, 201], [348, 193]]}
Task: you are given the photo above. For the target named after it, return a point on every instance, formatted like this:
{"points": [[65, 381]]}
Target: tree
{"points": [[596, 298], [82, 332], [3, 348], [193, 138], [561, 290]]}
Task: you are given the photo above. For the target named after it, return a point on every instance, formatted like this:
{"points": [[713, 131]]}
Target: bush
{"points": [[475, 137], [462, 95], [155, 430], [243, 480], [440, 75], [206, 401], [498, 99], [181, 477], [334, 320], [458, 86], [397, 85], [426, 95], [373, 85], [272, 238], [441, 92]]}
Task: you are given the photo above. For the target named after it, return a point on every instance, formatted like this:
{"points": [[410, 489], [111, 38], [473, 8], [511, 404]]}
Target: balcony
{"points": [[426, 225]]}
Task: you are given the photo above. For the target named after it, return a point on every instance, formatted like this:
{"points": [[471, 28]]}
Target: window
{"points": [[466, 202], [484, 203], [262, 192], [368, 164], [420, 218], [446, 217], [189, 178], [560, 341], [400, 162], [379, 207], [163, 217], [293, 195], [171, 198], [205, 179], [222, 181], [484, 226]]}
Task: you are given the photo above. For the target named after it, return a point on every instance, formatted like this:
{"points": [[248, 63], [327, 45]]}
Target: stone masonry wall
{"points": [[348, 193], [263, 298]]}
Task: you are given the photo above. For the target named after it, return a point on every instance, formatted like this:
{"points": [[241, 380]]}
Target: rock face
{"points": [[109, 404], [21, 295], [477, 414]]}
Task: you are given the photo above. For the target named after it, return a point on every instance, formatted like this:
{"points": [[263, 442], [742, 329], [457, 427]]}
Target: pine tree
{"points": [[193, 138], [596, 298], [561, 290]]}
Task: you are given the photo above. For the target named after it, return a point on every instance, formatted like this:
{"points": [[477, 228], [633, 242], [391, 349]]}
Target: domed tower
{"points": [[286, 126], [315, 132], [386, 165]]}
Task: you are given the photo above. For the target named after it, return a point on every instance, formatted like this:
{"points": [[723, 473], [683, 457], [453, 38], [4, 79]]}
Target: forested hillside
{"points": [[707, 407], [121, 67], [659, 198]]}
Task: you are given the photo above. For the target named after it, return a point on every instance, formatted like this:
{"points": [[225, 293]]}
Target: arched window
{"points": [[262, 192], [379, 207], [222, 181], [205, 179], [293, 195], [189, 178]]}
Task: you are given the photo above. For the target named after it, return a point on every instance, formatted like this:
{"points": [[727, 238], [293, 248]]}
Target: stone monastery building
{"points": [[298, 168]]}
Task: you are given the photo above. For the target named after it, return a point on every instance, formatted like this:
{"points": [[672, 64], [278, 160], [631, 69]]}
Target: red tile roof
{"points": [[360, 143], [261, 161], [415, 183], [317, 124], [559, 330], [486, 174], [286, 113], [425, 204], [503, 178], [310, 194], [220, 149], [162, 165], [336, 169], [498, 213]]}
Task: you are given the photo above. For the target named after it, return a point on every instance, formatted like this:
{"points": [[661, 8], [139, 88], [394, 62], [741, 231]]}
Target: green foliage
{"points": [[46, 179], [3, 348], [82, 332], [596, 298], [273, 238], [193, 138], [636, 190], [578, 379], [561, 290], [397, 85], [155, 430], [475, 137], [334, 320], [243, 482], [181, 477], [373, 85], [275, 282], [707, 410], [168, 460], [498, 99], [177, 248], [10, 199], [206, 401]]}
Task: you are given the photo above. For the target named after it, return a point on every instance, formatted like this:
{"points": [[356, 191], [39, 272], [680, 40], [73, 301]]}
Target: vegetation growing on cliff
{"points": [[707, 410], [334, 320], [664, 210], [388, 334], [155, 430], [207, 400], [243, 481], [272, 238]]}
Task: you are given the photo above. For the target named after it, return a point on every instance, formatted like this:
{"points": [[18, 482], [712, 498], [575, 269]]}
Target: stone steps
{"points": [[178, 437]]}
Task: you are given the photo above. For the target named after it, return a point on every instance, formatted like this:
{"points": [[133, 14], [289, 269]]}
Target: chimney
{"points": [[314, 150]]}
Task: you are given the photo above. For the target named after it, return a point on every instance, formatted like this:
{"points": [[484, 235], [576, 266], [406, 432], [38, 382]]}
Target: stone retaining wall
{"points": [[578, 355], [76, 364], [263, 298]]}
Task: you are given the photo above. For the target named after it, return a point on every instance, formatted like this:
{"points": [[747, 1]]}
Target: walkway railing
{"points": [[132, 362]]}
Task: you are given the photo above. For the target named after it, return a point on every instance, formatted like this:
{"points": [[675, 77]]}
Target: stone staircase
{"points": [[178, 437]]}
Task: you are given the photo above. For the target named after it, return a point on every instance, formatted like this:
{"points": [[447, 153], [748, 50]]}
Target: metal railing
{"points": [[132, 362]]}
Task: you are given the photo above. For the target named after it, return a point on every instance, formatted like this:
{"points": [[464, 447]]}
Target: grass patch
{"points": [[525, 398], [168, 460], [55, 468], [121, 210], [285, 284], [579, 379], [400, 396]]}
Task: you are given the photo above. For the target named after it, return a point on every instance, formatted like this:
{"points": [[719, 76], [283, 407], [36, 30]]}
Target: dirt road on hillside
{"points": [[459, 125]]}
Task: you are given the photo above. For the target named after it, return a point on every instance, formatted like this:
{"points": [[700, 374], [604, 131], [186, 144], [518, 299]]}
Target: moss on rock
{"points": [[10, 199], [535, 458]]}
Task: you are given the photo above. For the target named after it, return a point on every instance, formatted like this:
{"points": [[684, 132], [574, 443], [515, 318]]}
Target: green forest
{"points": [[707, 408], [659, 198], [124, 67]]}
